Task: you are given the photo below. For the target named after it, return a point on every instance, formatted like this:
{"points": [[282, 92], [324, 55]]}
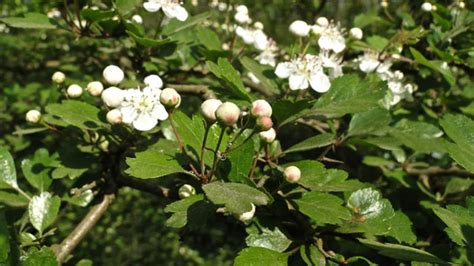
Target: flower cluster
{"points": [[370, 62], [171, 8]]}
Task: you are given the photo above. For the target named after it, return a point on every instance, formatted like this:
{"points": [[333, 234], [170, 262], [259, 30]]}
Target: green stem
{"points": [[203, 149], [216, 159]]}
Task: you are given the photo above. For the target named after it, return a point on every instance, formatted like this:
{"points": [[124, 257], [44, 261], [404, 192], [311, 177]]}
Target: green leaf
{"points": [[285, 110], [160, 161], [36, 170], [377, 42], [125, 7], [457, 185], [69, 166], [420, 136], [237, 198], [13, 199], [401, 228], [230, 78], [257, 256], [82, 200], [315, 142], [323, 208], [175, 26], [43, 210], [312, 256], [457, 220], [4, 239], [92, 15], [368, 123], [43, 257], [147, 42], [317, 178], [76, 113], [265, 74], [208, 38], [193, 211], [7, 168], [241, 161], [434, 65], [457, 126], [402, 252], [267, 238], [30, 21]]}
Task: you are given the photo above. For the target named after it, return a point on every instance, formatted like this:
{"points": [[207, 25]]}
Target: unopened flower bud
{"points": [[268, 136], [74, 91], [247, 216], [300, 28], [58, 77], [186, 191], [95, 88], [33, 116], [153, 81], [322, 21], [227, 114], [137, 19], [112, 96], [208, 109], [264, 123], [261, 108], [384, 4], [114, 116], [356, 33], [461, 4], [113, 75], [170, 98], [258, 25], [292, 174], [427, 7]]}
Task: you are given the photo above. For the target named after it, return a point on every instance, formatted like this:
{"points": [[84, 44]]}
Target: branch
{"points": [[71, 241], [436, 170]]}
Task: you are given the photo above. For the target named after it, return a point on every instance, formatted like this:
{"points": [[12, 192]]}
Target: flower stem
{"points": [[216, 159], [175, 131], [203, 149]]}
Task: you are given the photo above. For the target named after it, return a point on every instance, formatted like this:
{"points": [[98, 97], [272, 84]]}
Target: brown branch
{"points": [[73, 239], [436, 170]]}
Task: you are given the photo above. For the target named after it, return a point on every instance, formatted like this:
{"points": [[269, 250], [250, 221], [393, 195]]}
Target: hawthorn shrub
{"points": [[237, 132]]}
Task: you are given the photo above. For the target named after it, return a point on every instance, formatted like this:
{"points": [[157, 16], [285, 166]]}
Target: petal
{"points": [[298, 82], [338, 44], [284, 70], [325, 42], [159, 112], [320, 82], [128, 114], [176, 11], [151, 7], [144, 122]]}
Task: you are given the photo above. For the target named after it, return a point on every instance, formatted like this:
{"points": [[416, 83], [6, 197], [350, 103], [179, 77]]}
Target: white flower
{"points": [[74, 91], [427, 7], [95, 88], [114, 116], [54, 13], [369, 61], [242, 15], [268, 55], [303, 72], [33, 116], [113, 96], [171, 8], [142, 109], [208, 109], [322, 21], [268, 136], [300, 28], [332, 62], [58, 77], [113, 75], [331, 37], [356, 33], [137, 19], [253, 36], [462, 5], [153, 81]]}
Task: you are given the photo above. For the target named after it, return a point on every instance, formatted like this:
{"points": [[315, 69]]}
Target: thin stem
{"points": [[203, 149], [175, 131], [254, 165], [23, 193], [214, 163], [230, 148]]}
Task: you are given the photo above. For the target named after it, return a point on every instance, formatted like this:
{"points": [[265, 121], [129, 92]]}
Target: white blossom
{"points": [[427, 7], [142, 108], [153, 81], [300, 28], [255, 37], [242, 15], [322, 21], [303, 72], [112, 96], [269, 54], [330, 37], [171, 8], [113, 74]]}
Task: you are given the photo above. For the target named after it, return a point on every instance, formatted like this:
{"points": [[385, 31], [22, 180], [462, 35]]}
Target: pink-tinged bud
{"points": [[170, 98], [114, 116], [113, 75], [95, 88], [113, 97], [208, 109], [247, 216], [33, 116], [268, 136], [264, 123], [58, 77], [292, 174], [228, 113], [261, 108], [74, 91]]}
